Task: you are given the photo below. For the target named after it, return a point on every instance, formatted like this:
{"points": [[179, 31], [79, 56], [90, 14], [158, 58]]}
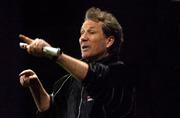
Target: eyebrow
{"points": [[88, 28]]}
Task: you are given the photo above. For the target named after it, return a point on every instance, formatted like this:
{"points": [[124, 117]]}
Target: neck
{"points": [[97, 58]]}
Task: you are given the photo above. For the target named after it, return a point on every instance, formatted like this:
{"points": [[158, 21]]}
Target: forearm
{"points": [[40, 96], [77, 68]]}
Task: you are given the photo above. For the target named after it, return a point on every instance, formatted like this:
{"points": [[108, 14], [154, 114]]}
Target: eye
{"points": [[82, 32], [91, 31]]}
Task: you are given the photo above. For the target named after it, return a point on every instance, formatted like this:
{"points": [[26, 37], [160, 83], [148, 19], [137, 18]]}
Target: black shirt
{"points": [[107, 92]]}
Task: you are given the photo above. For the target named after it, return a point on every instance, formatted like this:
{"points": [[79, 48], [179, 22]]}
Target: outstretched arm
{"points": [[74, 66], [77, 68], [28, 78]]}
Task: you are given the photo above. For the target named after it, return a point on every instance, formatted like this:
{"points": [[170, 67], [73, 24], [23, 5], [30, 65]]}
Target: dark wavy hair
{"points": [[111, 27]]}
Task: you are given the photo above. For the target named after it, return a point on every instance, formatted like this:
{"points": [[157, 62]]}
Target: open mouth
{"points": [[84, 48]]}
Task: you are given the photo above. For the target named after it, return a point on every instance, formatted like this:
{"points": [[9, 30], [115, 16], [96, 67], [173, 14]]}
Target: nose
{"points": [[83, 37]]}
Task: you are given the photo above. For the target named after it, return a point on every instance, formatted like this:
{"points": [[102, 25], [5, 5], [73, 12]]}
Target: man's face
{"points": [[92, 40]]}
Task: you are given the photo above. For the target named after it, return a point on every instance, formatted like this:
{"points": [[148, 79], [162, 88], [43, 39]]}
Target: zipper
{"points": [[81, 100]]}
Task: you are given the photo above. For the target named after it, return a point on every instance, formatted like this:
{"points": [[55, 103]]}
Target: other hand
{"points": [[27, 78]]}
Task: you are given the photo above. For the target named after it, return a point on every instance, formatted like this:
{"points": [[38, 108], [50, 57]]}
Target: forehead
{"points": [[88, 24]]}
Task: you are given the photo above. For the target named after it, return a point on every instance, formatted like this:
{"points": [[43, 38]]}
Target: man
{"points": [[98, 85]]}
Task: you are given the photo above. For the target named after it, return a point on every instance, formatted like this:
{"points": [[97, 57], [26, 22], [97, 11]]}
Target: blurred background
{"points": [[152, 44]]}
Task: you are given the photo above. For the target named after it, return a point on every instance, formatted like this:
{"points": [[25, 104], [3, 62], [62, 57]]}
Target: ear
{"points": [[109, 41]]}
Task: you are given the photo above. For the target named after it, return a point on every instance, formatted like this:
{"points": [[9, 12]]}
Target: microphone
{"points": [[51, 51], [54, 52]]}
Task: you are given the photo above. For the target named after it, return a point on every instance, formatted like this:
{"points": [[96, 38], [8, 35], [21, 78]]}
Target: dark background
{"points": [[152, 44]]}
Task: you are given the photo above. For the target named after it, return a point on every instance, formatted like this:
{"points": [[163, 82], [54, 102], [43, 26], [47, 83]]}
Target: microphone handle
{"points": [[50, 51]]}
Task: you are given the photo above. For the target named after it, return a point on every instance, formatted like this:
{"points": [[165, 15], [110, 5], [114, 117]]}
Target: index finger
{"points": [[25, 39]]}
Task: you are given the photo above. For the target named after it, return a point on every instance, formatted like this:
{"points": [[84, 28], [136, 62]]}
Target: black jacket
{"points": [[107, 92]]}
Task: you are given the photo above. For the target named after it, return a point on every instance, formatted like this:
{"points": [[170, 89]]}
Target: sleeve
{"points": [[114, 74], [106, 74], [96, 72]]}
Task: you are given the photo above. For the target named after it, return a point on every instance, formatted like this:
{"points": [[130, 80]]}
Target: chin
{"points": [[85, 56]]}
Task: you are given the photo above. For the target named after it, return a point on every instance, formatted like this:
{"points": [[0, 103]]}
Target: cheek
{"points": [[99, 46], [97, 49]]}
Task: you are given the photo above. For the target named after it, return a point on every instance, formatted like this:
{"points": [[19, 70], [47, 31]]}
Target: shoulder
{"points": [[117, 66]]}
